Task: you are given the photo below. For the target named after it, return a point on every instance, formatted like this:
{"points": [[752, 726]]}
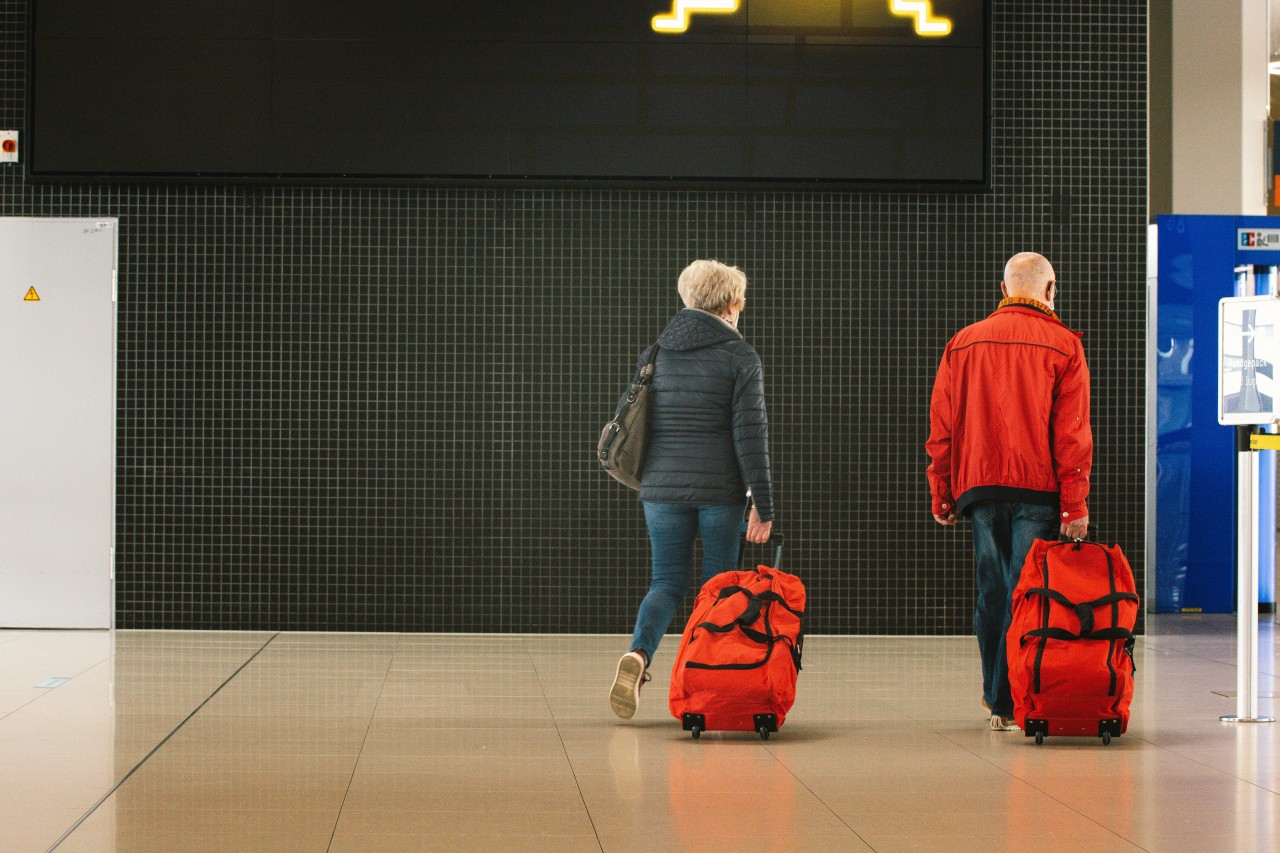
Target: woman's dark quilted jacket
{"points": [[710, 437]]}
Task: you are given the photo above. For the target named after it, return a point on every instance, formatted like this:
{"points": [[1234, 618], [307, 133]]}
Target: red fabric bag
{"points": [[740, 654], [1070, 644]]}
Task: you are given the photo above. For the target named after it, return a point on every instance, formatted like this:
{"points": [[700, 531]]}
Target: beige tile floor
{"points": [[257, 741]]}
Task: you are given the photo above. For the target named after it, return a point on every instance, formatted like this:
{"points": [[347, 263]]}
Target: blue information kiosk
{"points": [[1199, 261]]}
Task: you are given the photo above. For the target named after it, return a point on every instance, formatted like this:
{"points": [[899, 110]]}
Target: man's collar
{"points": [[1027, 302]]}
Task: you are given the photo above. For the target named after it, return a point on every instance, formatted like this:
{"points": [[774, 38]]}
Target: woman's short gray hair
{"points": [[712, 286]]}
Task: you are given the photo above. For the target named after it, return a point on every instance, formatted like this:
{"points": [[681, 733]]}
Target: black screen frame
{"points": [[458, 181]]}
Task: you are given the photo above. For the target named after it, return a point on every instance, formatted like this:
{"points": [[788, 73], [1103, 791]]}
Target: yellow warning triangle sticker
{"points": [[31, 296]]}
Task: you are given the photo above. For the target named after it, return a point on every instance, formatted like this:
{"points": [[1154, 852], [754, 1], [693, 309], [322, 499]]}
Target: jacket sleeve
{"points": [[938, 445], [751, 432], [1072, 436]]}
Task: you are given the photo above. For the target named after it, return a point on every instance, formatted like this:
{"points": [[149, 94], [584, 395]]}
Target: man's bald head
{"points": [[1030, 275]]}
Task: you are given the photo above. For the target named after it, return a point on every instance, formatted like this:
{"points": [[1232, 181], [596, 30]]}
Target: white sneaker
{"points": [[624, 698], [1003, 724]]}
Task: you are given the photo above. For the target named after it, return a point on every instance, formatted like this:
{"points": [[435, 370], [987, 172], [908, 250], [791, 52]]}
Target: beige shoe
{"points": [[1003, 724], [624, 697]]}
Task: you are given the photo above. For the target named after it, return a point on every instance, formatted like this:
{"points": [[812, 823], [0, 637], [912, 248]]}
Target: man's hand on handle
{"points": [[758, 531], [1078, 529]]}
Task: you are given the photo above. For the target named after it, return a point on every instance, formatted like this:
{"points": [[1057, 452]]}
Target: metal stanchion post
{"points": [[1247, 441]]}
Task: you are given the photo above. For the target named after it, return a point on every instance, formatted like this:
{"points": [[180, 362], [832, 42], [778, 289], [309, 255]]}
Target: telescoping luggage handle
{"points": [[776, 540]]}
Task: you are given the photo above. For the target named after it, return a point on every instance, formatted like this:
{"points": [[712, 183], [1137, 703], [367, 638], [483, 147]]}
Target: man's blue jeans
{"points": [[1002, 535], [672, 530]]}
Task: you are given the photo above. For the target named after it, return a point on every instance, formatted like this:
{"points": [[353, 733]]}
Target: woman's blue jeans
{"points": [[672, 530], [1002, 535]]}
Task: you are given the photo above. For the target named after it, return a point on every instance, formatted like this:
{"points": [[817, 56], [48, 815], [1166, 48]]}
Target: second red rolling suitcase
{"points": [[1070, 644], [740, 653]]}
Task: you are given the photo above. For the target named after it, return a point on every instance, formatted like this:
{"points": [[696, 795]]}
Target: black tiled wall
{"points": [[373, 408]]}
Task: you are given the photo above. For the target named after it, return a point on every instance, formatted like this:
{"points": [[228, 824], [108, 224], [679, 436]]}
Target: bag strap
{"points": [[749, 614], [646, 373], [1064, 634], [755, 605], [1083, 610], [643, 377], [778, 599]]}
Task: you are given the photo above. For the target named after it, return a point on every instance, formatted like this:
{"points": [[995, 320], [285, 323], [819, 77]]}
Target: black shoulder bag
{"points": [[625, 439]]}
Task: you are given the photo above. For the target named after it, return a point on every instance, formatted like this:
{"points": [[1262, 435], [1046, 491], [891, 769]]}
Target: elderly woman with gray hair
{"points": [[708, 457]]}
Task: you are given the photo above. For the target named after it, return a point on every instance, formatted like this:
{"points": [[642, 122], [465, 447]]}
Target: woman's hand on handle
{"points": [[758, 531]]}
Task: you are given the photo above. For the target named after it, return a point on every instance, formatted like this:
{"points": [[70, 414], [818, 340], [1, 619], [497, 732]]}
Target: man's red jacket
{"points": [[1009, 417]]}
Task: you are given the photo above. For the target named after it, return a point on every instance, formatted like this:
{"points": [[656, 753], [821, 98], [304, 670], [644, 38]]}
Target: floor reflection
{"points": [[260, 741]]}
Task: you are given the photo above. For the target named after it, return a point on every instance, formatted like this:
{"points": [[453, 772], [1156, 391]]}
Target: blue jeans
{"points": [[1002, 535], [672, 530]]}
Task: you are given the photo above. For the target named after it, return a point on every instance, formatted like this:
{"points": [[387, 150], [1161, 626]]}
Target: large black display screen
{"points": [[863, 92]]}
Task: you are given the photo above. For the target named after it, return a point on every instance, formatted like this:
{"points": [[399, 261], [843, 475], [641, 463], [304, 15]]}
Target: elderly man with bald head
{"points": [[1010, 448]]}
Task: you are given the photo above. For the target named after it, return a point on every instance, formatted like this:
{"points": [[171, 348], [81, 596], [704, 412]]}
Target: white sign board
{"points": [[1248, 355]]}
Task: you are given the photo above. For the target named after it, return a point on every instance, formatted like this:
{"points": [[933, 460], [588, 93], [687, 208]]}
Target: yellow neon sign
{"points": [[677, 20], [922, 11]]}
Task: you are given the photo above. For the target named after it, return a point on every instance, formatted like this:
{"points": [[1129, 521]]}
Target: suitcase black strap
{"points": [[757, 601], [1105, 634], [755, 606], [758, 636], [1083, 610], [749, 614], [778, 599], [1064, 634]]}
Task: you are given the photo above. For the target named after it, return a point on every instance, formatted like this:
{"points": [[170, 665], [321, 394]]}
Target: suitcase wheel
{"points": [[695, 724], [1035, 728], [1108, 729], [765, 723]]}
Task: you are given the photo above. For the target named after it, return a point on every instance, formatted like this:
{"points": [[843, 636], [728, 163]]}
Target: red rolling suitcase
{"points": [[1070, 644], [740, 653]]}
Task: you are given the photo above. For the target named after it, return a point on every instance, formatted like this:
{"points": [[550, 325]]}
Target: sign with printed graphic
{"points": [[1258, 239], [1248, 353]]}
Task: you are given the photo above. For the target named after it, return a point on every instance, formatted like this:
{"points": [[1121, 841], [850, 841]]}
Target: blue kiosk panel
{"points": [[1195, 563]]}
